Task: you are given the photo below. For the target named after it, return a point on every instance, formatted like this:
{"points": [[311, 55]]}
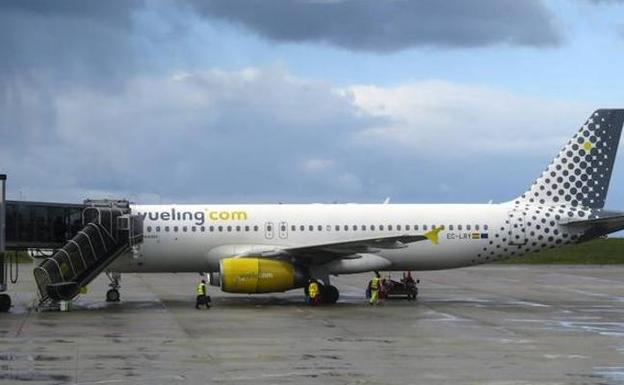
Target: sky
{"points": [[293, 101]]}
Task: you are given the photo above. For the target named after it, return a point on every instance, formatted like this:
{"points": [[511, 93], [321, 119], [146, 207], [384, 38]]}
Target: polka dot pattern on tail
{"points": [[580, 174]]}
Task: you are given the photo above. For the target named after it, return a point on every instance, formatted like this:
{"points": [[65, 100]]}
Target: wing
{"points": [[325, 252]]}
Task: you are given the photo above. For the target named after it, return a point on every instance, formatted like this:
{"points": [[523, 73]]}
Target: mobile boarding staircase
{"points": [[109, 230]]}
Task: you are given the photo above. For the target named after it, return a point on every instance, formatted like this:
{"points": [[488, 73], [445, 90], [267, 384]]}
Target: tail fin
{"points": [[580, 174]]}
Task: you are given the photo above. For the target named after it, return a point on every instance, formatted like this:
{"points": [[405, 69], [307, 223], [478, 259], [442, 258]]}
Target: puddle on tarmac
{"points": [[614, 374], [33, 376], [33, 357]]}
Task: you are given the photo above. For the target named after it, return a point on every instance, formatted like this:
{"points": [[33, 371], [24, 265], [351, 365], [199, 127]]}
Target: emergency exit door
{"points": [[283, 230]]}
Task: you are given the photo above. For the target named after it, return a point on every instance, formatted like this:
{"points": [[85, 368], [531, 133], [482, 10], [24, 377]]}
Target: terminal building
{"points": [[72, 242]]}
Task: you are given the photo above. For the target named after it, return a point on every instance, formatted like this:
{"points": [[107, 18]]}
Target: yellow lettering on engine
{"points": [[256, 275]]}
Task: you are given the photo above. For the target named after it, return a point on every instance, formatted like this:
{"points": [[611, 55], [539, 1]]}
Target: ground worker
{"points": [[202, 298], [375, 285], [314, 293]]}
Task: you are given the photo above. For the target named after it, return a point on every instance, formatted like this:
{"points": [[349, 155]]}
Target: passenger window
{"points": [[398, 227], [149, 229], [451, 227], [269, 228], [354, 227], [441, 227], [407, 227], [337, 227], [381, 227], [485, 227], [372, 227], [283, 228], [212, 228], [229, 229], [238, 228], [468, 227], [319, 228], [175, 228], [203, 229], [256, 228], [293, 228], [311, 228], [415, 227], [167, 228], [158, 229], [389, 227], [346, 228], [220, 228], [424, 227], [302, 228], [193, 228], [363, 227], [246, 228], [328, 227], [185, 228]]}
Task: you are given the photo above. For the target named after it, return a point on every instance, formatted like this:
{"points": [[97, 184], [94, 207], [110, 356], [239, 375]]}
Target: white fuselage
{"points": [[194, 238]]}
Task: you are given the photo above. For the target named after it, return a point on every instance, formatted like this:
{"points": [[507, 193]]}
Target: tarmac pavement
{"points": [[494, 324]]}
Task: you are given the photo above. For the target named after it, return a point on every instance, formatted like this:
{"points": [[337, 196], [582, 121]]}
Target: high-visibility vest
{"points": [[201, 288], [313, 290], [375, 283]]}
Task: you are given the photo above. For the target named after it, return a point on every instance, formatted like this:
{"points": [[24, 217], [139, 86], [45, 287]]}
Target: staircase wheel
{"points": [[5, 303]]}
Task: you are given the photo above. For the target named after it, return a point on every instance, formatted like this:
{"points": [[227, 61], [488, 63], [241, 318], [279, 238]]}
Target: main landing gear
{"points": [[112, 295], [329, 293]]}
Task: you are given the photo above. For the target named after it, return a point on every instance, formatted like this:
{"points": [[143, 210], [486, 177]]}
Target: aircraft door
{"points": [[283, 230], [269, 230], [517, 228]]}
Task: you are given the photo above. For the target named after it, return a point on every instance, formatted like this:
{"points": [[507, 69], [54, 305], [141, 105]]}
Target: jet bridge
{"points": [[109, 230], [71, 243], [5, 300]]}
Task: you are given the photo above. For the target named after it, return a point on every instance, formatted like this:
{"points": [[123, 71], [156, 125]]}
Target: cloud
{"points": [[314, 166], [209, 133], [264, 135], [51, 42], [466, 120], [388, 26], [606, 1]]}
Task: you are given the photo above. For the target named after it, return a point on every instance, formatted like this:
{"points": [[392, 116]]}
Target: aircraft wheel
{"points": [[112, 295], [5, 303], [331, 294]]}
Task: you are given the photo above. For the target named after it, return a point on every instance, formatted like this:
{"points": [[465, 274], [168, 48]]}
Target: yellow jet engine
{"points": [[257, 275]]}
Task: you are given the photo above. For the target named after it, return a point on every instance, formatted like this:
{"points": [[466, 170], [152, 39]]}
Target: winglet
{"points": [[433, 235]]}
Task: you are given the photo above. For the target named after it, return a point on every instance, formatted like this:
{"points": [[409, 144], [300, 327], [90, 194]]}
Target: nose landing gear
{"points": [[112, 295]]}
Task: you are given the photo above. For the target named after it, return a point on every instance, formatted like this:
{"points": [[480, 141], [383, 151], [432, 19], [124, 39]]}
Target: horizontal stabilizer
{"points": [[599, 226]]}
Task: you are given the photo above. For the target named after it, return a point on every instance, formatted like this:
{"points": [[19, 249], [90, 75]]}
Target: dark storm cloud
{"points": [[209, 135], [47, 42], [385, 26], [46, 46]]}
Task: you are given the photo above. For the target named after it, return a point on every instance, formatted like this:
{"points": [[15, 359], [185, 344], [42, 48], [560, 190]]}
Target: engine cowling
{"points": [[257, 275]]}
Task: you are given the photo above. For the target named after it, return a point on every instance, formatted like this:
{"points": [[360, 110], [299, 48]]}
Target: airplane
{"points": [[275, 248]]}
